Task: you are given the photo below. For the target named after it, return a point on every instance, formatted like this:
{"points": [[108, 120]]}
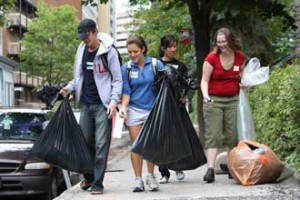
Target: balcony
{"points": [[22, 79], [13, 48], [17, 20]]}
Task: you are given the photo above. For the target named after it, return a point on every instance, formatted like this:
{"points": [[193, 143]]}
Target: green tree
{"points": [[5, 5], [159, 23], [49, 46]]}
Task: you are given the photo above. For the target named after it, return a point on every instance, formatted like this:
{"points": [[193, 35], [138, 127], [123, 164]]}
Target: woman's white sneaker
{"points": [[139, 185], [151, 182]]}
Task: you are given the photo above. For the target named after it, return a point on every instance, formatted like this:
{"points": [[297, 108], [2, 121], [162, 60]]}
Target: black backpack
{"points": [[104, 58]]}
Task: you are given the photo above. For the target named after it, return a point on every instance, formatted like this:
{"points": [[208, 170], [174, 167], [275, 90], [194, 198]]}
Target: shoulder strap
{"points": [[128, 70], [104, 60], [119, 55], [154, 65], [105, 55]]}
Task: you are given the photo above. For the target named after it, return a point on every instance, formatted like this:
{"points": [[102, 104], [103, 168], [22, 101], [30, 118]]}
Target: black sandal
{"points": [[96, 191]]}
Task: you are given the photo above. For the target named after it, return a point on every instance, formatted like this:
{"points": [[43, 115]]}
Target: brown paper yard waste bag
{"points": [[253, 163]]}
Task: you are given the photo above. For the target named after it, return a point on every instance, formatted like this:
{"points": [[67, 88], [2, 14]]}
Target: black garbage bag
{"points": [[180, 83], [198, 157], [192, 83], [159, 78], [49, 94], [163, 137], [177, 81], [62, 142]]}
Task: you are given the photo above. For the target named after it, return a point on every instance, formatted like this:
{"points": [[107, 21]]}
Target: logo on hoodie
{"points": [[100, 68]]}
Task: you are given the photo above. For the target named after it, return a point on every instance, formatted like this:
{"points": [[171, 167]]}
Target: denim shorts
{"points": [[136, 116], [220, 119]]}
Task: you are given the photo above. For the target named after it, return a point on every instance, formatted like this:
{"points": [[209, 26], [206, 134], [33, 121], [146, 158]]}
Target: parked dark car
{"points": [[22, 174]]}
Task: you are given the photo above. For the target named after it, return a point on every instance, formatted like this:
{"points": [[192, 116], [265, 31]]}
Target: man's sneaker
{"points": [[151, 182], [164, 180], [180, 175], [139, 185], [209, 177]]}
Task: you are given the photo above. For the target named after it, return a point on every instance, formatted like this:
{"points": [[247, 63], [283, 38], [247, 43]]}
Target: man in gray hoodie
{"points": [[98, 89]]}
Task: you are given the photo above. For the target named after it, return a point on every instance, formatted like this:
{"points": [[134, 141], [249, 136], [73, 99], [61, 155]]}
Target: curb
{"points": [[295, 174]]}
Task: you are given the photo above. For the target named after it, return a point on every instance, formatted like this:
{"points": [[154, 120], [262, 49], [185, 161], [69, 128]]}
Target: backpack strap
{"points": [[128, 70], [154, 65], [119, 55], [104, 60]]}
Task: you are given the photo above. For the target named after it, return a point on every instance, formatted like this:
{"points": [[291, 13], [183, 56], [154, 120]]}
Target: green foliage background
{"points": [[152, 23], [276, 113], [5, 5], [49, 46]]}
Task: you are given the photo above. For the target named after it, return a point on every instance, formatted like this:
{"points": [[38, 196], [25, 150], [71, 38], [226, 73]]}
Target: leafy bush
{"points": [[276, 114]]}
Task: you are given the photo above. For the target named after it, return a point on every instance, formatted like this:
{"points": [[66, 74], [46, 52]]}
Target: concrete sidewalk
{"points": [[119, 181]]}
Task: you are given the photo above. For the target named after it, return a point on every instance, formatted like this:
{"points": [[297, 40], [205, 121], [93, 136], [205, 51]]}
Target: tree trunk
{"points": [[200, 15], [297, 18]]}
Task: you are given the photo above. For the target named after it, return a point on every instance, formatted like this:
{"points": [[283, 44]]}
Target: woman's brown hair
{"points": [[232, 41], [138, 41]]}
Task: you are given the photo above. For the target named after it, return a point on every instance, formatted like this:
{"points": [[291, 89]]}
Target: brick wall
{"points": [[74, 3]]}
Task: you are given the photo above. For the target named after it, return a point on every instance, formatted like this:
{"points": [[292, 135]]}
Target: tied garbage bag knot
{"points": [[254, 74], [49, 94], [179, 83]]}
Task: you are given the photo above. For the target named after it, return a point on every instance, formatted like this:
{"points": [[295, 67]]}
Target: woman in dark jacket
{"points": [[167, 51]]}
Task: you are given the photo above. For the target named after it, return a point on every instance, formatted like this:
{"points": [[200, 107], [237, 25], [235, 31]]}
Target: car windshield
{"points": [[21, 126]]}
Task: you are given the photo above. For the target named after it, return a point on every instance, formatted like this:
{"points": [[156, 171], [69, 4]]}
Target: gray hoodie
{"points": [[109, 82]]}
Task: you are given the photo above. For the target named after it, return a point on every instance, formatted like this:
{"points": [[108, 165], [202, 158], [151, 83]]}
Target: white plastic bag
{"points": [[253, 74], [118, 124], [245, 124]]}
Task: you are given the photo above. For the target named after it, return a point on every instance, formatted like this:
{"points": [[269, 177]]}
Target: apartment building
{"points": [[123, 17], [74, 3], [12, 81], [107, 18], [7, 67]]}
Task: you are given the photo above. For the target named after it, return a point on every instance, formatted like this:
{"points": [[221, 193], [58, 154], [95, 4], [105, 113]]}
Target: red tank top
{"points": [[225, 83]]}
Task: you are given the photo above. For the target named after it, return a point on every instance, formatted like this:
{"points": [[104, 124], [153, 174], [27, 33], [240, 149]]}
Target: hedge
{"points": [[276, 113]]}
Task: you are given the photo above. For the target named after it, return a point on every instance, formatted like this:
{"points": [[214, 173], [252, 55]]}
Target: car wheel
{"points": [[53, 190]]}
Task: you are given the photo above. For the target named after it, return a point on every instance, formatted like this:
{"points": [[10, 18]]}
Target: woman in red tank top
{"points": [[220, 88]]}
